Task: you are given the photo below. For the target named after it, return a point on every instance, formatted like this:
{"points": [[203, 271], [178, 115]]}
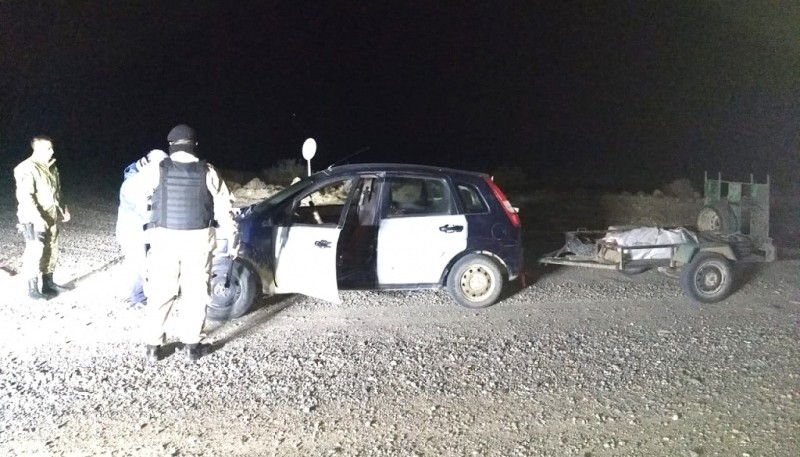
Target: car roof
{"points": [[397, 167]]}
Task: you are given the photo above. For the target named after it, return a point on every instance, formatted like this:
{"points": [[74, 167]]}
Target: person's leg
{"points": [[49, 260], [140, 265], [127, 277], [133, 267], [31, 266], [194, 283], [162, 285], [50, 254]]}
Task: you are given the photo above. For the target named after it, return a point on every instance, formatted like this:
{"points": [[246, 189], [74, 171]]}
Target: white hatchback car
{"points": [[373, 226]]}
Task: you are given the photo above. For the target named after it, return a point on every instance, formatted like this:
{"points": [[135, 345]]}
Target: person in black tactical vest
{"points": [[189, 200]]}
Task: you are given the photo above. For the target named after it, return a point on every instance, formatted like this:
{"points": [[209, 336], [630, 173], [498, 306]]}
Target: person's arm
{"points": [[223, 206], [27, 206], [223, 200], [62, 208], [144, 186]]}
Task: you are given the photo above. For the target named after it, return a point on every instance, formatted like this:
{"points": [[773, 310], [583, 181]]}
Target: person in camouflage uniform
{"points": [[40, 209]]}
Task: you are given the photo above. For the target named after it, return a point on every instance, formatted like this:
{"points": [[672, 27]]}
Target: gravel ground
{"points": [[579, 363]]}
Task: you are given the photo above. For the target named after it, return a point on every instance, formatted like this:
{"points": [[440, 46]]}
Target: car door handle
{"points": [[447, 228], [322, 244]]}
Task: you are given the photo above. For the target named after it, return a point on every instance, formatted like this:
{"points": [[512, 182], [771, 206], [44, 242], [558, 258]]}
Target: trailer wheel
{"points": [[708, 278], [718, 217]]}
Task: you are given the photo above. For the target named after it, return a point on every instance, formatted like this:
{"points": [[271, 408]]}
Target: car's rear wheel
{"points": [[475, 281], [231, 297]]}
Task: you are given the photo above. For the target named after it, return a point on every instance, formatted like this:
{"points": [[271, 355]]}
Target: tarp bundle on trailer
{"points": [[646, 236]]}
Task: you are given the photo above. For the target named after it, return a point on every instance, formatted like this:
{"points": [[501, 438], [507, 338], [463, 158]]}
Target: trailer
{"points": [[732, 226]]}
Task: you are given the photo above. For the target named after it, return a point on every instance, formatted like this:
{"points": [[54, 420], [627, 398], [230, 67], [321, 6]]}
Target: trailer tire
{"points": [[718, 217], [708, 278]]}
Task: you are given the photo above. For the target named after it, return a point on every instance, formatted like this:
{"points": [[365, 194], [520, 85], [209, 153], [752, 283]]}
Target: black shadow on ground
{"points": [[73, 283], [263, 311], [170, 349], [744, 273]]}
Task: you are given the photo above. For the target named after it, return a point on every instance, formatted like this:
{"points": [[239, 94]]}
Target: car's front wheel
{"points": [[475, 281], [231, 297]]}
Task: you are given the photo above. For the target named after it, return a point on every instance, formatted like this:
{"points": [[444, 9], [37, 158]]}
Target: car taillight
{"points": [[512, 214]]}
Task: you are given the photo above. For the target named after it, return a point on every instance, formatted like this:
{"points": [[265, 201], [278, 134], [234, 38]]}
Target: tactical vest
{"points": [[182, 200]]}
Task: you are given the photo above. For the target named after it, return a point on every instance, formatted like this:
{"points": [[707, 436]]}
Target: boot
{"points": [[33, 290], [197, 350], [49, 287], [154, 353]]}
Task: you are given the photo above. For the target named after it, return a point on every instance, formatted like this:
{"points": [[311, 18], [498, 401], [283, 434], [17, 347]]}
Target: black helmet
{"points": [[181, 132]]}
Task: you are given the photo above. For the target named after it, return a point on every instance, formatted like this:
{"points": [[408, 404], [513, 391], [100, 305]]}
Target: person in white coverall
{"points": [[132, 215], [189, 200]]}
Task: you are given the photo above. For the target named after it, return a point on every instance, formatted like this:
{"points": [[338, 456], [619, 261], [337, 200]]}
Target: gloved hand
{"points": [[233, 248]]}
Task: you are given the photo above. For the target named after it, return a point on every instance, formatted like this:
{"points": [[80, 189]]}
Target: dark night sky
{"points": [[628, 94]]}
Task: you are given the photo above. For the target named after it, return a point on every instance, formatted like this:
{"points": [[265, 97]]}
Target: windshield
{"points": [[279, 197]]}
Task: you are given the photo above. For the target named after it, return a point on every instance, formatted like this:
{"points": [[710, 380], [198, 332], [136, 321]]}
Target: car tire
{"points": [[236, 299], [708, 278], [718, 218], [475, 281]]}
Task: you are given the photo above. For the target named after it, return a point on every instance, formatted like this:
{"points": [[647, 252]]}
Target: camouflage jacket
{"points": [[39, 198]]}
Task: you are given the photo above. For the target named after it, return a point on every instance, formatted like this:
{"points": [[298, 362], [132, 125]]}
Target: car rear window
{"points": [[471, 199]]}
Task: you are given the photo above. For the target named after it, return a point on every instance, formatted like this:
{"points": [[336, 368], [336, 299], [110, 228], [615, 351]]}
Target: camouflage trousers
{"points": [[41, 256]]}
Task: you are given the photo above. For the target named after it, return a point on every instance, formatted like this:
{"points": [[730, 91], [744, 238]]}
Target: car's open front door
{"points": [[306, 261], [305, 249]]}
